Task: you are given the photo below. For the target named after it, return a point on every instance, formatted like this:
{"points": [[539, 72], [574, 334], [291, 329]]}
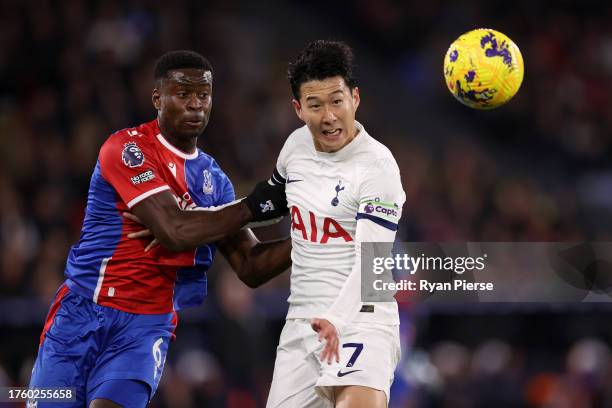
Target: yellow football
{"points": [[483, 68]]}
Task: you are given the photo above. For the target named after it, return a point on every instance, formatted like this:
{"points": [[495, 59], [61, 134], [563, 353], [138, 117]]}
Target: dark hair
{"points": [[319, 60], [178, 60]]}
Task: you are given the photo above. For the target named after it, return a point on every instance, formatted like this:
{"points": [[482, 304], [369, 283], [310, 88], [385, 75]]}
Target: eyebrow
{"points": [[308, 98]]}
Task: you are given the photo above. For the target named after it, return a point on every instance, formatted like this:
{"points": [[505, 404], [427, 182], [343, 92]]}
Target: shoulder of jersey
{"points": [[207, 158], [299, 137], [142, 135], [372, 150]]}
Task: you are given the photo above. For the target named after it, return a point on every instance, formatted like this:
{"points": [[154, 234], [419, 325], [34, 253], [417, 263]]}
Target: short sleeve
{"points": [[131, 169], [381, 196], [227, 190]]}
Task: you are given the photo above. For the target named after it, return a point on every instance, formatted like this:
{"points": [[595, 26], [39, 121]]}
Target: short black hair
{"points": [[319, 60], [178, 60]]}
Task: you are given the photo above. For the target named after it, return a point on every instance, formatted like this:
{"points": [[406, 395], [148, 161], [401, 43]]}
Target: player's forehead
{"points": [[189, 77], [323, 88]]}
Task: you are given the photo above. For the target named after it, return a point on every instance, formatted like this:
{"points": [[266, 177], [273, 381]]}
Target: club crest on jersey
{"points": [[207, 186], [132, 155], [335, 201]]}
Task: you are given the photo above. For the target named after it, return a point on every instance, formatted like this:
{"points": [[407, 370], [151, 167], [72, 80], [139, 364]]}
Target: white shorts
{"points": [[369, 353]]}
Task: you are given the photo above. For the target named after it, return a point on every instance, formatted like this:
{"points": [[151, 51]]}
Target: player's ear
{"points": [[298, 108], [356, 97], [156, 99]]}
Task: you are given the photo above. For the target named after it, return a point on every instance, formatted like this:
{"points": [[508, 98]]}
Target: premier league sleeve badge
{"points": [[132, 155]]}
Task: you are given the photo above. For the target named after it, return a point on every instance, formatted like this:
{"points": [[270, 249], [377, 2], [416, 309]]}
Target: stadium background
{"points": [[71, 72]]}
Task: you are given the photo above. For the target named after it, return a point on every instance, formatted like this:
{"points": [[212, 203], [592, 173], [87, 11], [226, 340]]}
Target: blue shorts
{"points": [[84, 344]]}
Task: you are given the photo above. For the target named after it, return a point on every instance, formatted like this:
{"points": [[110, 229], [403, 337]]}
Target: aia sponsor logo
{"points": [[331, 229]]}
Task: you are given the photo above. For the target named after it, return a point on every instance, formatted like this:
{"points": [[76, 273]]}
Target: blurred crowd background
{"points": [[72, 72]]}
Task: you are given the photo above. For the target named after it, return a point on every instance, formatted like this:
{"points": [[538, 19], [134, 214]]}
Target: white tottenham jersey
{"points": [[337, 200]]}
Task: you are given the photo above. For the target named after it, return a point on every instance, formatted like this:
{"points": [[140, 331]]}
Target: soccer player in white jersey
{"points": [[343, 188]]}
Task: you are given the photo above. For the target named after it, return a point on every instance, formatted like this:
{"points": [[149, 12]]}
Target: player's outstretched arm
{"points": [[255, 262], [179, 230]]}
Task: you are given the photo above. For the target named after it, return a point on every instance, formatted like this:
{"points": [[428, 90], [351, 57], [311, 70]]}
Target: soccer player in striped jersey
{"points": [[108, 329], [343, 187]]}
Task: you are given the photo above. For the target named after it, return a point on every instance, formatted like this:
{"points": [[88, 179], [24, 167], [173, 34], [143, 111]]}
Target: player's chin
{"points": [[193, 128]]}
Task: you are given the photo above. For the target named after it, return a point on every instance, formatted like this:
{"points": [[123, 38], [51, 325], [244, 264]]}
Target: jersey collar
{"points": [[176, 151]]}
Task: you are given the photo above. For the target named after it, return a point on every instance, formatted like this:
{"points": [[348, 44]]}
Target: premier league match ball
{"points": [[483, 68]]}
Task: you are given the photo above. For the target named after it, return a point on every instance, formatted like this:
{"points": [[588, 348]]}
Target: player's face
{"points": [[184, 102], [328, 108]]}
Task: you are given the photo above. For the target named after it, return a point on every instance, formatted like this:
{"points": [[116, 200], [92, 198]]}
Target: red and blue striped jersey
{"points": [[113, 270]]}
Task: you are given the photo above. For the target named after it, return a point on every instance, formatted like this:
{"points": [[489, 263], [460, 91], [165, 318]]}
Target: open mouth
{"points": [[332, 132]]}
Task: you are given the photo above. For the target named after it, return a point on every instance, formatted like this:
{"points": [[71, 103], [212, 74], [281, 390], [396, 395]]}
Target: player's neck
{"points": [[185, 144]]}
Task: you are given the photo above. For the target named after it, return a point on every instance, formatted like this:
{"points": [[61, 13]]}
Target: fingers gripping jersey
{"points": [[329, 194], [113, 270]]}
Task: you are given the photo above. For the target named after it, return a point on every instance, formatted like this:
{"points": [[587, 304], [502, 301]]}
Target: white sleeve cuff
{"points": [[149, 193]]}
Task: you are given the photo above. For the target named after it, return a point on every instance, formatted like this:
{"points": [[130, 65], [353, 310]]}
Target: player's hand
{"points": [[142, 233], [327, 332], [267, 201]]}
